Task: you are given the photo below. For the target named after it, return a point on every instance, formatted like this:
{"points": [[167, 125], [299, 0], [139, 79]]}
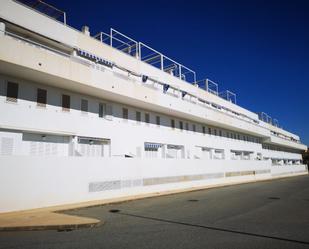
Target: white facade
{"points": [[73, 129]]}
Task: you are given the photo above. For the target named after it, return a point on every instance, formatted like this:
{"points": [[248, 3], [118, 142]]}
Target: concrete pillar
{"points": [[2, 28], [211, 153], [85, 30], [73, 144], [164, 150], [74, 53]]}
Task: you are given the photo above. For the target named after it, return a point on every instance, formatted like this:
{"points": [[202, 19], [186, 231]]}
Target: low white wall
{"points": [[31, 182], [278, 170]]}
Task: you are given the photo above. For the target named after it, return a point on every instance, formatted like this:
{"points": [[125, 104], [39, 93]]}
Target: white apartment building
{"points": [[100, 117]]}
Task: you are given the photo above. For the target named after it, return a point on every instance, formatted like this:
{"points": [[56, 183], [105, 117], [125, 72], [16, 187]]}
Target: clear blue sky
{"points": [[257, 49]]}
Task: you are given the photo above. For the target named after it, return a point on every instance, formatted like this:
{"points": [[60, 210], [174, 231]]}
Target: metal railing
{"points": [[45, 9], [146, 54]]}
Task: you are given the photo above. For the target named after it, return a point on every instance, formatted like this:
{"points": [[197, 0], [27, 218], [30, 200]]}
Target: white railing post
{"points": [[161, 62], [2, 28]]}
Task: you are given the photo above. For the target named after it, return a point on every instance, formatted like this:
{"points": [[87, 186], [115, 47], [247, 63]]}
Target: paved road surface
{"points": [[273, 214]]}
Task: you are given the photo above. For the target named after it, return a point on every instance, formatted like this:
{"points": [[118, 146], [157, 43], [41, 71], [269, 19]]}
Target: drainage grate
{"points": [[114, 211], [274, 198]]}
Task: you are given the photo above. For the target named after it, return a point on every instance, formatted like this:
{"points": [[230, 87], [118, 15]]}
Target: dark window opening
{"points": [[65, 102], [138, 116], [102, 110], [158, 120], [41, 97], [12, 92], [187, 126], [180, 125], [147, 118], [125, 113]]}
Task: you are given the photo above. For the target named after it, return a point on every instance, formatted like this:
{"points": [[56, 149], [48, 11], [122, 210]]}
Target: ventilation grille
{"points": [[185, 178], [265, 171], [7, 146], [113, 185], [103, 186]]}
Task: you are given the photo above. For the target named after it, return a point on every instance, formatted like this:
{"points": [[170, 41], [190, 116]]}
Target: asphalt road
{"points": [[272, 214]]}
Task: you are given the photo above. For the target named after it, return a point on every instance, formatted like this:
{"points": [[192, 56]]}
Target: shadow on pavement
{"points": [[116, 211]]}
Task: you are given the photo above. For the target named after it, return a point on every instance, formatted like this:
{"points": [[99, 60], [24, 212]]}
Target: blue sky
{"points": [[257, 49]]}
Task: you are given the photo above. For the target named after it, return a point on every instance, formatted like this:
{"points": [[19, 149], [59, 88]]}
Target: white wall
{"points": [[279, 170], [31, 182], [126, 135]]}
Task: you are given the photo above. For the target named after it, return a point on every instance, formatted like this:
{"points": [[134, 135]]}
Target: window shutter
{"points": [[109, 112], [84, 105], [102, 110]]}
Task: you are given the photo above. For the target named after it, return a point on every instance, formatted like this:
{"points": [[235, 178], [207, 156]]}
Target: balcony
{"points": [[20, 57], [276, 140]]}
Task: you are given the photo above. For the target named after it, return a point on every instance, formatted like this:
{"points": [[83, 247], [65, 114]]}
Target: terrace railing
{"points": [[46, 9]]}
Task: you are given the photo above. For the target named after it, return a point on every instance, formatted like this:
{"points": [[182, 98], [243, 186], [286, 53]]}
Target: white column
{"points": [[2, 28], [73, 145]]}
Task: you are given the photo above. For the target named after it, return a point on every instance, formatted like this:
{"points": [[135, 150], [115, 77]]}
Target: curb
{"points": [[59, 228]]}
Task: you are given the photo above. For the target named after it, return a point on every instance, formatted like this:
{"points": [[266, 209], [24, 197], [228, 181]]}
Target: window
{"points": [[227, 135], [147, 118], [238, 136], [102, 110], [125, 113], [65, 103], [92, 147], [153, 150], [187, 126], [175, 151], [173, 123], [215, 132], [84, 105], [209, 130], [41, 97], [12, 92], [218, 154], [204, 130], [180, 125], [158, 121], [109, 112], [193, 128], [138, 117], [220, 133]]}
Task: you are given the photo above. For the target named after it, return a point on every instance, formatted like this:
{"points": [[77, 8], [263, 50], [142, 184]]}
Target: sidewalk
{"points": [[43, 220]]}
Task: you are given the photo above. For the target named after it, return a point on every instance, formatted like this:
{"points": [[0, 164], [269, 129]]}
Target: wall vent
{"points": [[7, 146]]}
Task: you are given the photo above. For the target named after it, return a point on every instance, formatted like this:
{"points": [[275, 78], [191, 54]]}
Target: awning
{"points": [[176, 147], [152, 145]]}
